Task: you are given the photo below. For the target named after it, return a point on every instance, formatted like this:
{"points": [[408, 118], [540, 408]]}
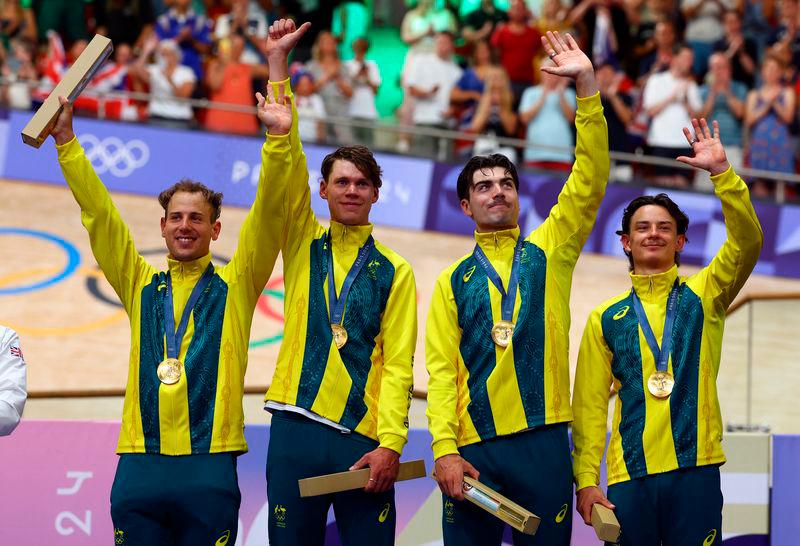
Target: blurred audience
{"points": [[333, 83], [518, 43], [190, 30], [249, 22], [366, 78], [310, 108]]}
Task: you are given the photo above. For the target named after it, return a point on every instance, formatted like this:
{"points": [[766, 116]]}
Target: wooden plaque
{"points": [[605, 523], [70, 86], [506, 510], [354, 479]]}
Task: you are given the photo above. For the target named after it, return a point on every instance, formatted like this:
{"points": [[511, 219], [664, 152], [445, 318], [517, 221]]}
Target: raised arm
{"points": [[593, 381], [570, 221], [111, 241], [738, 255]]}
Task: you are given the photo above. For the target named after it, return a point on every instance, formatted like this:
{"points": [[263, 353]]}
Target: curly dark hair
{"points": [[662, 200], [213, 198], [480, 162], [360, 156]]}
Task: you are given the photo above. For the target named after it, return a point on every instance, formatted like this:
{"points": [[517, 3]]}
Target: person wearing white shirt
{"points": [[430, 80], [249, 20], [366, 78], [671, 99], [12, 381], [310, 108]]}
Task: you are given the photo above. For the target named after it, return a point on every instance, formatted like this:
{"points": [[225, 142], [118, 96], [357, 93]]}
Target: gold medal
{"points": [[339, 335], [660, 384], [502, 332], [169, 371]]}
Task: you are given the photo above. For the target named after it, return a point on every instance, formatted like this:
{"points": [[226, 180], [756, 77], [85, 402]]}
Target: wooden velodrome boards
{"points": [[76, 337]]}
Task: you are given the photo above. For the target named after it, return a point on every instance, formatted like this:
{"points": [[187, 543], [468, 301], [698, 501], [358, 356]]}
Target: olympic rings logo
{"points": [[113, 155]]}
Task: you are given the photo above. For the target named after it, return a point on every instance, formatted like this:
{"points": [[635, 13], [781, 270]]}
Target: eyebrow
{"points": [[482, 180]]}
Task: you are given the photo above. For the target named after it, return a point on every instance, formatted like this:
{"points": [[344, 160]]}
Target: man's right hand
{"points": [[589, 496], [283, 36], [62, 131], [449, 472]]}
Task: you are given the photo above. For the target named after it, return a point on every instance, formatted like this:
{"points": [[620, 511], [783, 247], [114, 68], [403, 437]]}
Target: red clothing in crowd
{"points": [[236, 88], [517, 51]]}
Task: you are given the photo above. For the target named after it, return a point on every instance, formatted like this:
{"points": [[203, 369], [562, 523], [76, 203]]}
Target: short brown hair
{"points": [[187, 185], [360, 156]]}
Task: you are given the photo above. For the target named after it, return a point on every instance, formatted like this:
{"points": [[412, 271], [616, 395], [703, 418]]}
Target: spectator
{"points": [[494, 117], [785, 41], [333, 84], [644, 19], [742, 52], [19, 72], [229, 80], [16, 22], [468, 90], [518, 43], [351, 21], [618, 103], [125, 21], [190, 30], [310, 108], [548, 110], [724, 102], [417, 30], [769, 113], [247, 21], [169, 82], [430, 80], [366, 77], [703, 27], [480, 23], [61, 16], [665, 38], [606, 30], [757, 22], [671, 99], [553, 17]]}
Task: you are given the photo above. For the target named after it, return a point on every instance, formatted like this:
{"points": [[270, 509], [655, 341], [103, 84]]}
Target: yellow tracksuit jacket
{"points": [[478, 390], [202, 412], [651, 435], [366, 385]]}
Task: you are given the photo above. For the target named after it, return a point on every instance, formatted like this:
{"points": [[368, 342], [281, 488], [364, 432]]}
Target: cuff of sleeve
{"points": [[586, 479], [724, 180], [69, 150], [276, 142], [283, 84], [444, 447], [395, 442], [589, 105]]}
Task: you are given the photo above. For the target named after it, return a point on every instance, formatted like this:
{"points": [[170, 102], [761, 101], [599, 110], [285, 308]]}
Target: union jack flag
{"points": [[16, 351]]}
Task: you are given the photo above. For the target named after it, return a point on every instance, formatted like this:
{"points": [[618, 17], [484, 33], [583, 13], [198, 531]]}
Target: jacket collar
{"points": [[497, 242], [654, 287], [180, 270], [344, 235]]}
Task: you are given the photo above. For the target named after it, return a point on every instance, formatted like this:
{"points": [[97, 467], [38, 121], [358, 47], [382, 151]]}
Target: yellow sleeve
{"points": [[301, 220], [593, 381], [111, 241], [442, 337], [399, 333], [728, 271], [571, 219], [263, 230]]}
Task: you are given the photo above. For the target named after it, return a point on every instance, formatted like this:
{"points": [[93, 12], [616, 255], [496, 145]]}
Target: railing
{"points": [[759, 376], [447, 137]]}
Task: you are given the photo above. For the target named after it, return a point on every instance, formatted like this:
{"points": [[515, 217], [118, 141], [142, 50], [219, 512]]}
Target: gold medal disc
{"points": [[169, 371], [339, 335], [502, 332], [660, 384]]}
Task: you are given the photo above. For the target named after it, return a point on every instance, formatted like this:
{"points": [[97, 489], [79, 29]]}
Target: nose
{"points": [[352, 189]]}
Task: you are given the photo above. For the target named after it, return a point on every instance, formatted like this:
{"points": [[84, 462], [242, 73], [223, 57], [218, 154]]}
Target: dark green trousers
{"points": [[302, 448], [670, 509], [532, 468], [186, 500]]}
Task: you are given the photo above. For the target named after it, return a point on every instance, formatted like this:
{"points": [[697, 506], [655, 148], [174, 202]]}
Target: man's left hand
{"points": [[709, 154], [384, 465]]}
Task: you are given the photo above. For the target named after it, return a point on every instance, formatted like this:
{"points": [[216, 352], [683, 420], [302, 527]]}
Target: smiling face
{"points": [[349, 193], [493, 201], [653, 240], [188, 227]]}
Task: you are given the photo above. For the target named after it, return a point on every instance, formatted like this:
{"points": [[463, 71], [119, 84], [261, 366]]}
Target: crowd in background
{"points": [[471, 65]]}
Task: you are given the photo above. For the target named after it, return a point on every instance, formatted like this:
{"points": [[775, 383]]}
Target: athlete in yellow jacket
{"points": [[498, 394], [659, 346], [182, 421], [340, 394]]}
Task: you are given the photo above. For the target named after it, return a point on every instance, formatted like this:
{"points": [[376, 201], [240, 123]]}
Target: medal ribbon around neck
{"points": [[508, 298], [175, 337], [660, 355], [336, 303]]}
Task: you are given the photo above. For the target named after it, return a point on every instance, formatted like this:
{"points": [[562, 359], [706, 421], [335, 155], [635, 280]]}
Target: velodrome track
{"points": [[76, 336]]}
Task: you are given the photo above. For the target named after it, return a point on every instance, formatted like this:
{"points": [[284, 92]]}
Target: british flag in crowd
{"points": [[16, 351]]}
